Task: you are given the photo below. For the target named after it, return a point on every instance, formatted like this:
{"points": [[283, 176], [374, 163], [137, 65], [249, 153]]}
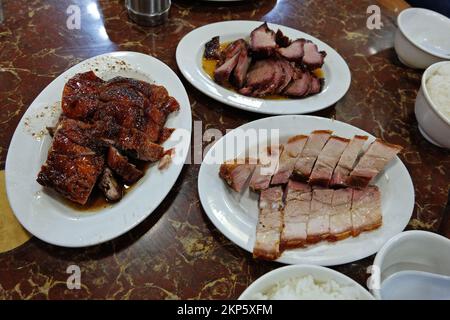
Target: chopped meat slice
{"points": [[222, 73], [296, 213], [300, 86], [237, 173], [125, 95], [294, 52], [277, 81], [291, 151], [231, 50], [311, 151], [241, 69], [122, 167], [341, 218], [377, 156], [366, 210], [262, 41], [138, 145], [288, 71], [281, 40], [268, 164], [138, 85], [212, 49], [327, 161], [312, 58], [318, 227], [270, 224], [316, 85], [165, 134], [259, 77], [112, 190], [347, 161]]}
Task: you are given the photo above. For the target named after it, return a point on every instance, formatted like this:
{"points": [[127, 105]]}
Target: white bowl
{"points": [[422, 38], [433, 124], [271, 278], [412, 250]]}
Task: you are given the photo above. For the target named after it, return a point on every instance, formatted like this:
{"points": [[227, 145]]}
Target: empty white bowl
{"points": [[422, 37], [271, 278], [433, 124], [414, 251]]}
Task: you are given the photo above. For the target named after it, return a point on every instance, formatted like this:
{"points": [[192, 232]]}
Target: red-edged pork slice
{"points": [[366, 210], [300, 86], [312, 58], [277, 81], [222, 73], [291, 152], [296, 213], [241, 69], [294, 52], [268, 164], [377, 156], [212, 49], [259, 77], [341, 218], [288, 71], [270, 224], [262, 41], [318, 227], [281, 40], [316, 85], [231, 50], [236, 173], [327, 161], [347, 161], [311, 151]]}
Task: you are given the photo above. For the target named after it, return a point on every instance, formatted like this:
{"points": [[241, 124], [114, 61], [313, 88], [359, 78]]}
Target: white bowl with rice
{"points": [[432, 106], [305, 282]]}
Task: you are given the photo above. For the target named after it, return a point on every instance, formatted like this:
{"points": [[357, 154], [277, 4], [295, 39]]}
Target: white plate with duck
{"points": [[236, 214], [263, 67]]}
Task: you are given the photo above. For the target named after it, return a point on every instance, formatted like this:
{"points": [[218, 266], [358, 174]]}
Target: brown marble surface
{"points": [[176, 252]]}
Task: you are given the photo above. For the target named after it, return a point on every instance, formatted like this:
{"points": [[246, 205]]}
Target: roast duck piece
{"points": [[270, 64], [105, 129], [312, 188]]}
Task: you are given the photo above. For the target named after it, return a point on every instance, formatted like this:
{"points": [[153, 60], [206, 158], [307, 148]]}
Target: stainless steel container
{"points": [[148, 12]]}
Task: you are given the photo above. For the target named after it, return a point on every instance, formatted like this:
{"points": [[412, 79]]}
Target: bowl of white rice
{"points": [[432, 106], [305, 282]]}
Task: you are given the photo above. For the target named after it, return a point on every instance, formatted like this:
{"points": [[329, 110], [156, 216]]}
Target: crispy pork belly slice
{"points": [[294, 52], [311, 151], [300, 85], [366, 210], [122, 167], [327, 161], [341, 218], [222, 73], [262, 41], [295, 214], [266, 168], [318, 227], [282, 40], [377, 156], [312, 58], [347, 161], [236, 173], [241, 69], [212, 49], [291, 151], [270, 224], [112, 190]]}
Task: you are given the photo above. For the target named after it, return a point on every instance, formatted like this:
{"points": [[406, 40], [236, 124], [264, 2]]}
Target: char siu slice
{"points": [[288, 71], [318, 227], [312, 58], [277, 81], [281, 40], [122, 167], [294, 52], [327, 161], [347, 161], [296, 214], [112, 190], [270, 224], [262, 41], [311, 151], [266, 168], [316, 85], [212, 49], [259, 77], [377, 156], [222, 73], [291, 151], [231, 50], [366, 210], [241, 69], [341, 218], [301, 84], [236, 173]]}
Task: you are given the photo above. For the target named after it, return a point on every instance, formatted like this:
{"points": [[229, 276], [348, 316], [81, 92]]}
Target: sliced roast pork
{"points": [[347, 161], [277, 81], [327, 161], [262, 41], [270, 224], [341, 217], [288, 71], [300, 86], [241, 69], [231, 50], [259, 77], [212, 49], [222, 73], [312, 58], [318, 227], [296, 213], [316, 85], [236, 173], [266, 168], [294, 52], [291, 152], [311, 151], [377, 156], [366, 210]]}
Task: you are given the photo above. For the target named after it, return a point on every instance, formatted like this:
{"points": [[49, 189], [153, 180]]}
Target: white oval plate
{"points": [[236, 216], [48, 217], [189, 59]]}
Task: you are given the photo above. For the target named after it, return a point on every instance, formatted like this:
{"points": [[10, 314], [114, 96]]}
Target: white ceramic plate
{"points": [[44, 214], [189, 59], [236, 216]]}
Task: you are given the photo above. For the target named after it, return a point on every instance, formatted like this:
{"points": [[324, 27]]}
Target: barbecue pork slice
{"points": [[312, 57], [294, 52], [240, 71], [212, 49], [262, 41]]}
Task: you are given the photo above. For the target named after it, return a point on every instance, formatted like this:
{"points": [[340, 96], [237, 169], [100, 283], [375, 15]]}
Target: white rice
{"points": [[308, 288], [438, 86]]}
